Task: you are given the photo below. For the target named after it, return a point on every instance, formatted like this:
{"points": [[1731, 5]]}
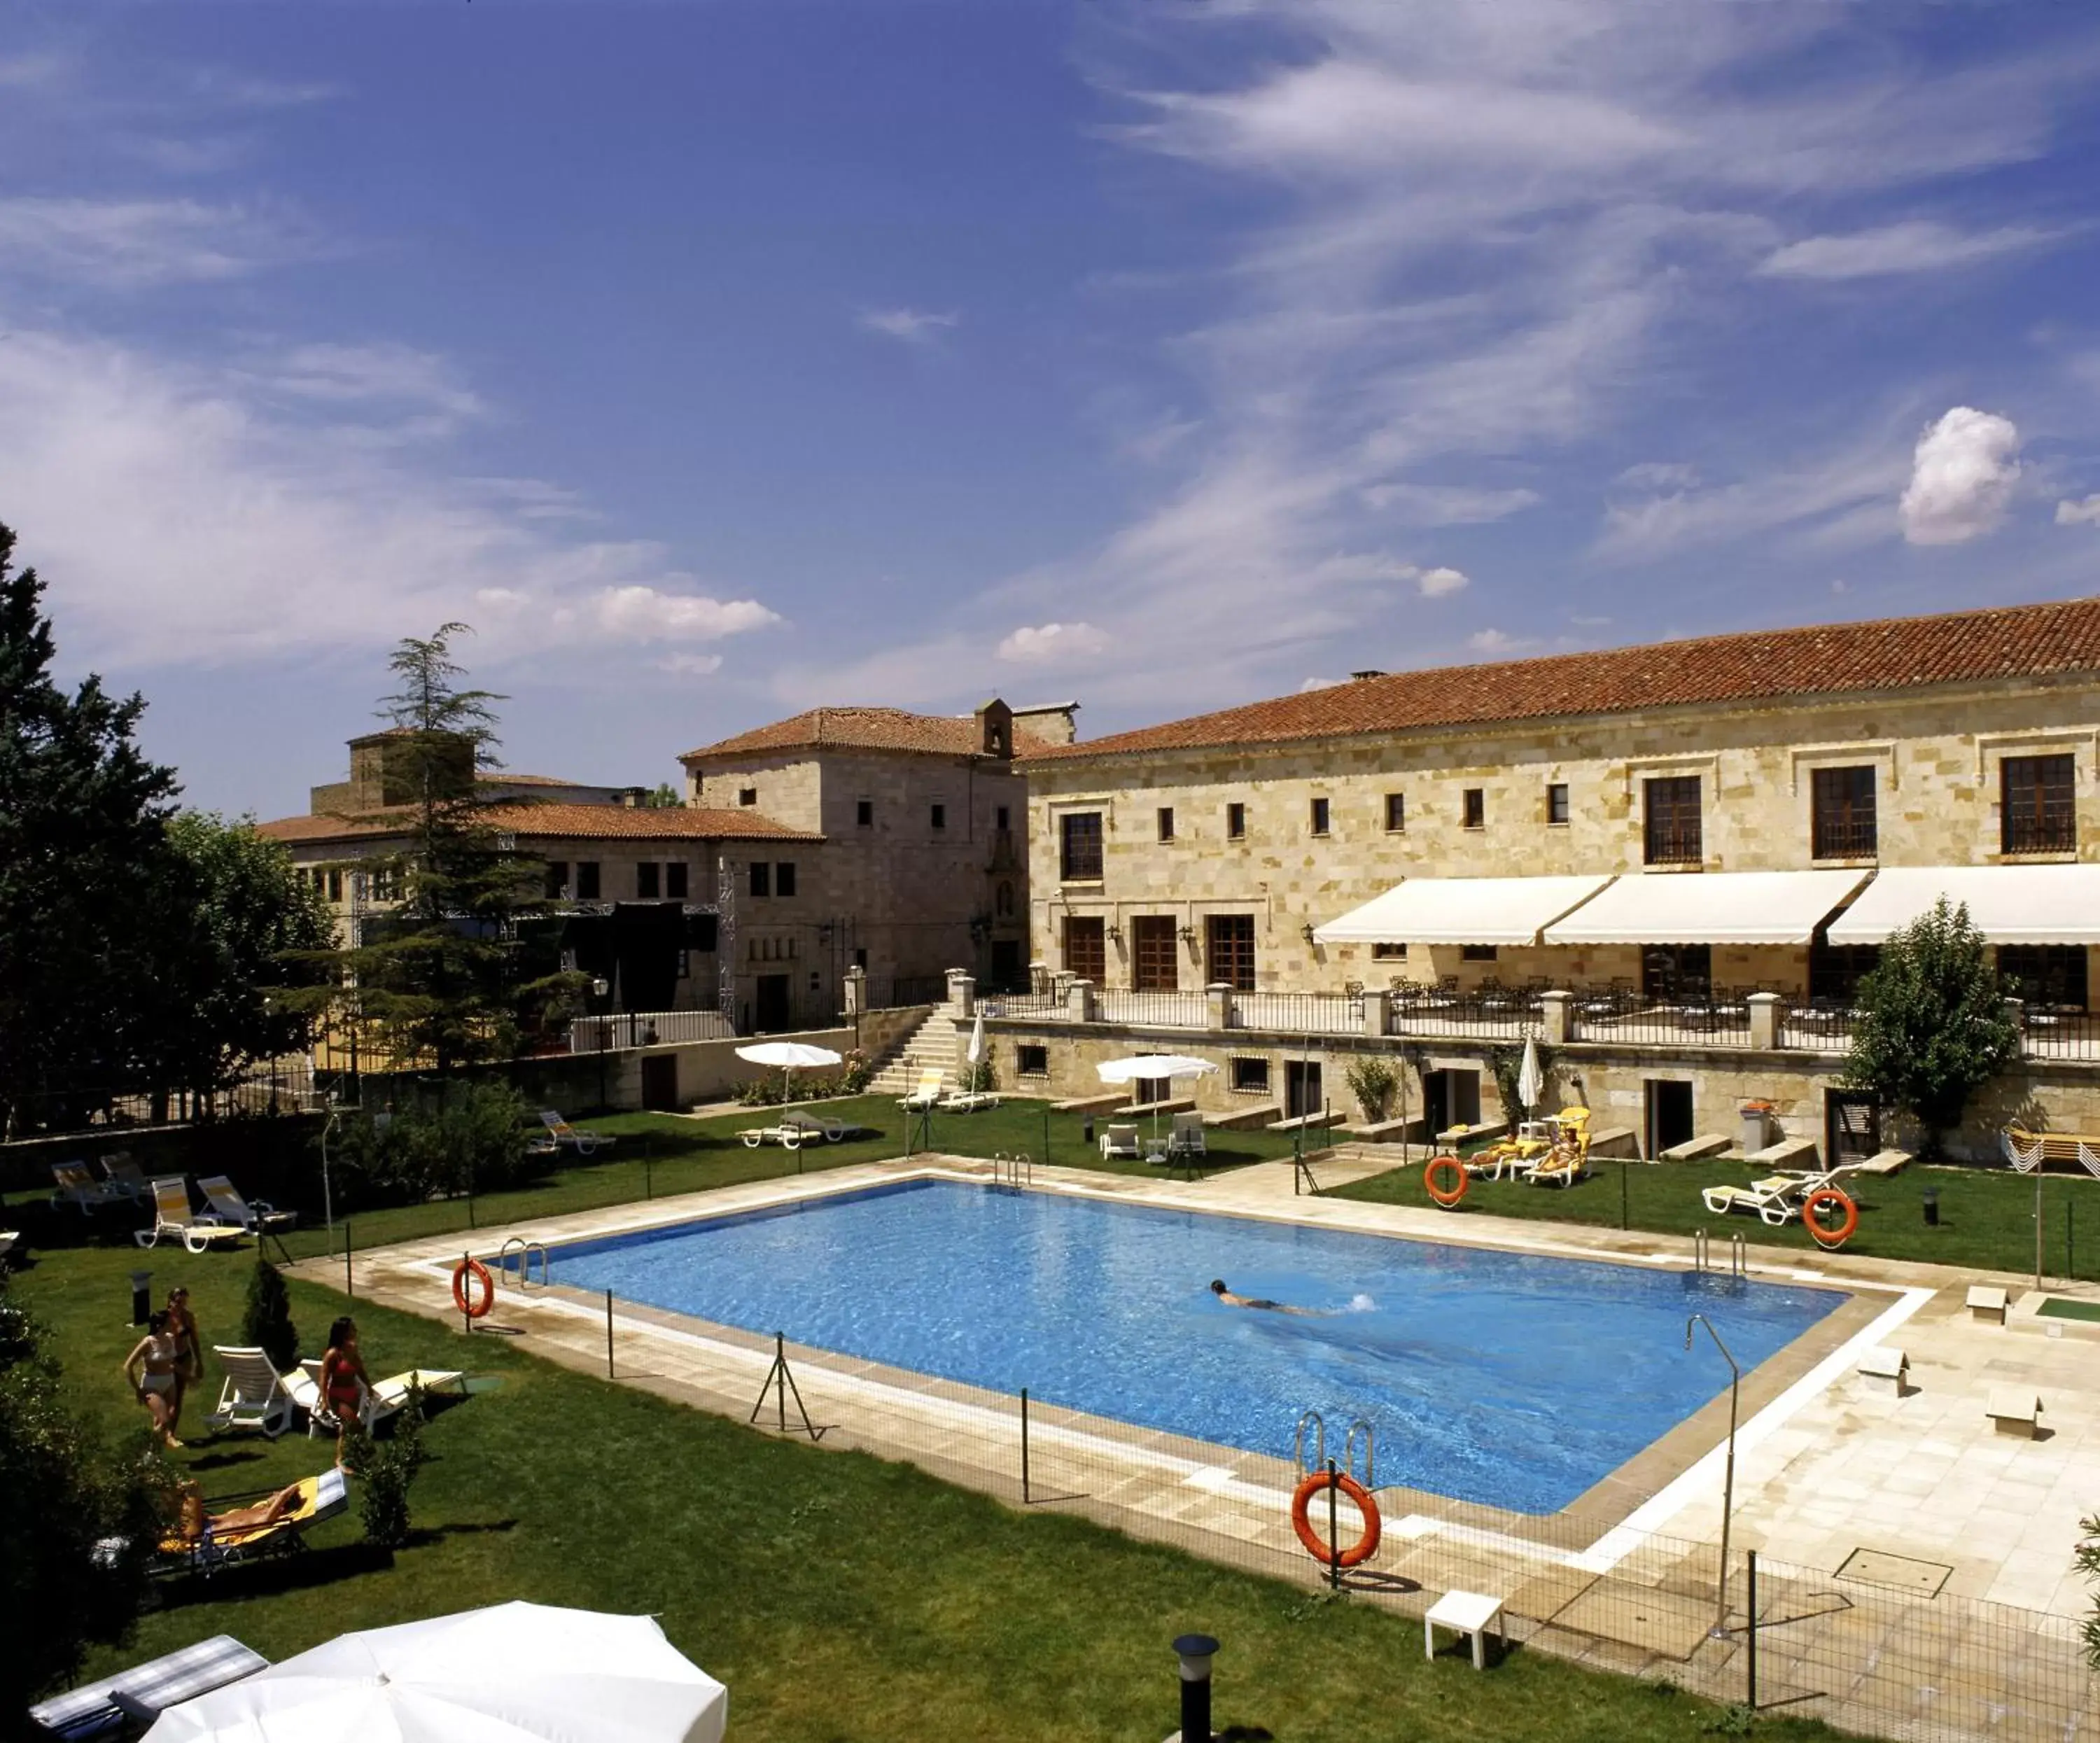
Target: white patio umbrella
{"points": [[974, 1053], [1530, 1080], [790, 1055], [503, 1675], [1153, 1068]]}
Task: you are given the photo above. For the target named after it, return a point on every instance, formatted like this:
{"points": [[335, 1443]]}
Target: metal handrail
{"points": [[1319, 1444], [526, 1249], [1349, 1451]]}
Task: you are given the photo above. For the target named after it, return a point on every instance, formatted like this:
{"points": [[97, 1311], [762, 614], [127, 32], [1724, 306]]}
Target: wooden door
{"points": [[659, 1082], [1302, 1094], [773, 1004], [1152, 953]]}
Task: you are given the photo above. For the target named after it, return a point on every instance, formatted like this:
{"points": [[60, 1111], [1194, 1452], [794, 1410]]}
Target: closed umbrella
{"points": [[1530, 1080], [1154, 1068], [508, 1674], [787, 1055]]}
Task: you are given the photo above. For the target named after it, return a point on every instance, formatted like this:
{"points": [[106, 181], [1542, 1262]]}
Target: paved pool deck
{"points": [[1896, 1524]]}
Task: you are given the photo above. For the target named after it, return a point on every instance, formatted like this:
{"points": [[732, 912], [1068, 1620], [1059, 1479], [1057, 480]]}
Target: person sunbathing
{"points": [[193, 1519]]}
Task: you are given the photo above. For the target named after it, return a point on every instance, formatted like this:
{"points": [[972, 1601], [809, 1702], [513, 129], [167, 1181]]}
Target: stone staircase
{"points": [[932, 1046]]}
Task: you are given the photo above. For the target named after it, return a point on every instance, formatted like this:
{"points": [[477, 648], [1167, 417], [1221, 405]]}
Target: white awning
{"points": [[1709, 907], [2008, 904], [1461, 911]]}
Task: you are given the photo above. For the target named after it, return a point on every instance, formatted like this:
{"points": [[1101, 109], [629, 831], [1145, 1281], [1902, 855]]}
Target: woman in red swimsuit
{"points": [[344, 1382]]}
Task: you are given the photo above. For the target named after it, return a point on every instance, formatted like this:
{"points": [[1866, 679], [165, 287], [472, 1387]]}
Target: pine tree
{"points": [[266, 1320]]}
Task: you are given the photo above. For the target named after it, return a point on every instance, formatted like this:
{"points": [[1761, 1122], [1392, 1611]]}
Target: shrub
{"points": [[978, 1079], [860, 1072], [1933, 1026], [389, 1472], [766, 1091], [1372, 1080], [474, 1141], [266, 1323]]}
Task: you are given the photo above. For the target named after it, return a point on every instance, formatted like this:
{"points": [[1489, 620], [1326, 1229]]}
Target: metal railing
{"points": [[2060, 1034], [1434, 1011], [607, 1034], [1036, 1006], [1299, 1012], [1168, 1010], [897, 991], [1683, 1021], [1813, 1027]]}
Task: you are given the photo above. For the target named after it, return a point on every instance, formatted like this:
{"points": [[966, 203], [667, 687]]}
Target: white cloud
{"points": [[1961, 478], [1659, 509], [133, 245], [2069, 514], [1447, 505], [1435, 583], [690, 665], [1496, 642], [1919, 245], [1048, 644], [382, 372], [913, 326], [187, 514], [639, 613]]}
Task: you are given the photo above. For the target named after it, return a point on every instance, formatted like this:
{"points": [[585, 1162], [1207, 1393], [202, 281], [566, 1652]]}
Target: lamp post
{"points": [[1195, 1651], [599, 989], [1728, 1481]]}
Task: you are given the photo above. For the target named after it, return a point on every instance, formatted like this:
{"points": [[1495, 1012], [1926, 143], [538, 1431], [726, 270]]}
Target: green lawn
{"points": [[1985, 1216], [838, 1596]]}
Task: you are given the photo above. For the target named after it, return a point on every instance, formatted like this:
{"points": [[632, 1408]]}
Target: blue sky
{"points": [[717, 358]]}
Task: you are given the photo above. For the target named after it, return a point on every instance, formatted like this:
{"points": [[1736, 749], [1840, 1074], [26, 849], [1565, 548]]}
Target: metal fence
{"points": [[1431, 1012], [284, 1087], [2060, 1034], [1169, 1010], [1299, 1012], [1037, 1006], [898, 991], [1661, 1022], [1811, 1027], [1875, 1646], [599, 1034]]}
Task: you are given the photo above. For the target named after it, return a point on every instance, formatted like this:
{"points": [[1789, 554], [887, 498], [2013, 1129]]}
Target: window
{"points": [[1251, 1075], [860, 957], [1002, 901], [586, 880], [1152, 956], [784, 878], [1086, 947], [2045, 974], [385, 884], [1841, 813], [1031, 1060], [1836, 970], [2037, 811], [1672, 834], [1476, 808], [1001, 819], [335, 886], [940, 817], [762, 878], [1395, 812], [1228, 956], [675, 886], [648, 880], [747, 796], [1677, 971], [1080, 841], [1388, 953], [558, 879], [864, 814], [1319, 816], [1476, 953], [1556, 802], [1236, 822], [1167, 822]]}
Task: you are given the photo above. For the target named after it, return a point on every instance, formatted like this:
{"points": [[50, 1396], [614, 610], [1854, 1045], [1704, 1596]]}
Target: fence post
{"points": [[1025, 1497], [1622, 1194], [1333, 1533], [1752, 1584], [348, 1288], [466, 1288], [608, 1334]]}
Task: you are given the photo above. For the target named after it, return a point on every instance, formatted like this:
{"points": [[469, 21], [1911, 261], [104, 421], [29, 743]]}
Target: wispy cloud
{"points": [[1052, 644], [912, 326], [2084, 514], [1920, 246], [137, 245]]}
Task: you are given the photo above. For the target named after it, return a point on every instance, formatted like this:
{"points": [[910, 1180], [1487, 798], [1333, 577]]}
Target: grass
{"points": [[839, 1597], [1985, 1216]]}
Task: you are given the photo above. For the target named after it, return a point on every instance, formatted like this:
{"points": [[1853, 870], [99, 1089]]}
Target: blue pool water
{"points": [[1495, 1377]]}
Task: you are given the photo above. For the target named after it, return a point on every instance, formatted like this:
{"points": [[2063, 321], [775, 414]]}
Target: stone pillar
{"points": [[962, 993], [1764, 1022], [855, 987], [1079, 1001], [1038, 976], [1218, 1005], [1378, 1009], [1558, 1010]]}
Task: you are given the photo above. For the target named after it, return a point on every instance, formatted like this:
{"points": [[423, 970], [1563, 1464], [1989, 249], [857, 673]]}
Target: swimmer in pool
{"points": [[1224, 1295]]}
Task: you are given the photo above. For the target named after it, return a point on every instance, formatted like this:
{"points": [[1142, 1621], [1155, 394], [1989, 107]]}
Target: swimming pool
{"points": [[1504, 1377]]}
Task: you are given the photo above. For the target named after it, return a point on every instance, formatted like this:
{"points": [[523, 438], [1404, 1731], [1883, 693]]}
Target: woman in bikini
{"points": [[150, 1371], [189, 1358], [344, 1382]]}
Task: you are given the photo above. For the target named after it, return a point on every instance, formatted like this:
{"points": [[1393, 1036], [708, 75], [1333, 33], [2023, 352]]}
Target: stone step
{"points": [[1696, 1149]]}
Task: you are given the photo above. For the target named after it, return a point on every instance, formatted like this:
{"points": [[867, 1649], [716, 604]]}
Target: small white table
{"points": [[1464, 1613]]}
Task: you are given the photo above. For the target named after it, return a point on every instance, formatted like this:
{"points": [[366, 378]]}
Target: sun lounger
{"points": [[828, 1126], [1187, 1139], [927, 1094], [1569, 1160], [1121, 1142], [142, 1692], [967, 1101], [227, 1206], [320, 1498], [74, 1185], [122, 1174], [172, 1218], [381, 1401], [8, 1238], [583, 1143], [791, 1137], [252, 1395]]}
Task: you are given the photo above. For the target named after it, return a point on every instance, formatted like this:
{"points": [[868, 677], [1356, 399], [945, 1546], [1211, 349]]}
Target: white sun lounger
{"points": [[227, 1206], [172, 1218], [253, 1394], [927, 1094], [381, 1401], [74, 1185], [1121, 1142], [583, 1143]]}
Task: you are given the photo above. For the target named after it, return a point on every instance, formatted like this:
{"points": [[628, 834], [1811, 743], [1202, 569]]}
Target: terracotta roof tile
{"points": [[2029, 641], [563, 822], [867, 728]]}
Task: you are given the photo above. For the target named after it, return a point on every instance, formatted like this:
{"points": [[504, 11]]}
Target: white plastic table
{"points": [[1464, 1613]]}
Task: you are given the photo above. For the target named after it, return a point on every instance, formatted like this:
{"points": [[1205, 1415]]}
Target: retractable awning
{"points": [[2008, 904], [1461, 911], [1709, 907]]}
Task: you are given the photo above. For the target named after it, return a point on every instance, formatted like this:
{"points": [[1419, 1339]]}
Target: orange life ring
{"points": [[1315, 1545], [1446, 1196], [1830, 1237], [473, 1307]]}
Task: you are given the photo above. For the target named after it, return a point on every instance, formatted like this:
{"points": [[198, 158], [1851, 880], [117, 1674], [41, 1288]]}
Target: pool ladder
{"points": [[1015, 1171], [1348, 1466], [1739, 1254], [525, 1250]]}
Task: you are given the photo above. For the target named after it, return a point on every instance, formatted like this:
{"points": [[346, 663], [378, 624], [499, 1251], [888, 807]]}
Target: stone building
{"points": [[925, 865], [1698, 843]]}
